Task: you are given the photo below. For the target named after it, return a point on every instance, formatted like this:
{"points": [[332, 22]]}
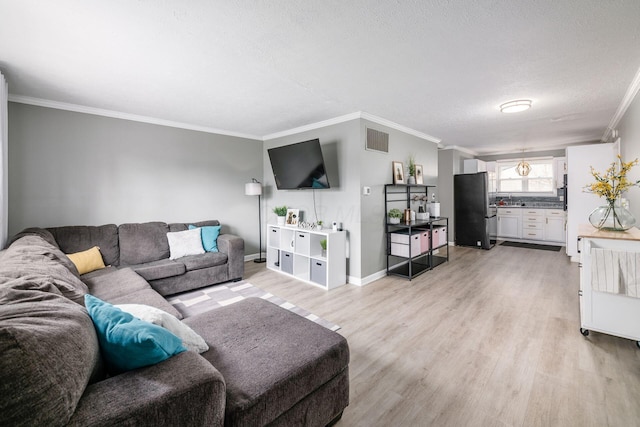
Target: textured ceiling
{"points": [[260, 67]]}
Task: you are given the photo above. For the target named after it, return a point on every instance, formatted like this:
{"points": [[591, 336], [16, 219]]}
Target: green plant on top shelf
{"points": [[412, 166], [395, 213], [280, 210]]}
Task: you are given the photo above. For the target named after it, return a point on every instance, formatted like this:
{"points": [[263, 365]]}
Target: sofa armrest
{"points": [[233, 246], [183, 390]]}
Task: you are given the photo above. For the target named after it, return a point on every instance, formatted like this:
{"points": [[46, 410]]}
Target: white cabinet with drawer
{"points": [[532, 223], [509, 220], [555, 226]]}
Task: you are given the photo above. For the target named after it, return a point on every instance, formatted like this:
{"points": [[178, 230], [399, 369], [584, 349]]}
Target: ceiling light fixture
{"points": [[516, 106]]}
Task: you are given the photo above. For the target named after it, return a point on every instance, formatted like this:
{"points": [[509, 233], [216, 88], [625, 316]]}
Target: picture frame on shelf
{"points": [[397, 168], [419, 175], [293, 217]]}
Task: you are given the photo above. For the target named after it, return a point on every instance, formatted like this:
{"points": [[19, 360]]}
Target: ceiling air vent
{"points": [[377, 141]]}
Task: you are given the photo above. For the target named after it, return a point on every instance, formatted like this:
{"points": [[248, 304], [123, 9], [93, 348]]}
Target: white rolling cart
{"points": [[610, 303]]}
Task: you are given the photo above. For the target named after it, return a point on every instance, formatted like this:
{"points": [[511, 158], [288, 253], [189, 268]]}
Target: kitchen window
{"points": [[540, 180]]}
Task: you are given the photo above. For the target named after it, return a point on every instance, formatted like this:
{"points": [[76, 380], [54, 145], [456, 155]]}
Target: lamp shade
{"points": [[253, 189]]}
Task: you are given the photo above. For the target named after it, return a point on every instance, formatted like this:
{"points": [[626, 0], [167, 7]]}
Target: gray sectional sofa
{"points": [[265, 365], [144, 248]]}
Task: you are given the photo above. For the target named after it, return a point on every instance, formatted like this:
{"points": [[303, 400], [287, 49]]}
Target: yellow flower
{"points": [[613, 182]]}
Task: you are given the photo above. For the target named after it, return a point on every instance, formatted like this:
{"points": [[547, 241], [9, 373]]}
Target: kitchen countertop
{"points": [[532, 205], [589, 231]]}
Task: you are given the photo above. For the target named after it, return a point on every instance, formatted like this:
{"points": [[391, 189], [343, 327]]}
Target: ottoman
{"points": [[279, 368]]}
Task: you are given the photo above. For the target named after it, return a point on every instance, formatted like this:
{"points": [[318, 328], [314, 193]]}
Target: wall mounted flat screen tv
{"points": [[299, 166]]}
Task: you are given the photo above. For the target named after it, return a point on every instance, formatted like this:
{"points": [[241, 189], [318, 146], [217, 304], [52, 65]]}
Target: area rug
{"points": [[216, 296], [532, 246]]}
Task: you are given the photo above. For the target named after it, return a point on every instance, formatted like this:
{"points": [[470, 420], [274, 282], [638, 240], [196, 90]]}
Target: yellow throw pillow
{"points": [[87, 261]]}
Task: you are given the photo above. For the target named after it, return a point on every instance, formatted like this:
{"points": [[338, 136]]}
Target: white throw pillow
{"points": [[183, 243], [190, 339]]}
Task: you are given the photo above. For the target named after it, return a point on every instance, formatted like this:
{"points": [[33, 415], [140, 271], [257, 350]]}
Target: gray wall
{"points": [[338, 203], [350, 168], [68, 168], [375, 173], [629, 129]]}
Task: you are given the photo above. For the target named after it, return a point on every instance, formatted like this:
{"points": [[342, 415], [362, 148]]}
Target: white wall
{"points": [[629, 129], [68, 168]]}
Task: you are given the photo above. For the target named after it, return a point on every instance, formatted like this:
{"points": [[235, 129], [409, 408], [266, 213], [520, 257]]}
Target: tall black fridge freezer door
{"points": [[471, 204]]}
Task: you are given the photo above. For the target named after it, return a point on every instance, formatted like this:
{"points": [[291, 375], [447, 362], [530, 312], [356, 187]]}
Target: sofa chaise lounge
{"points": [[264, 366]]}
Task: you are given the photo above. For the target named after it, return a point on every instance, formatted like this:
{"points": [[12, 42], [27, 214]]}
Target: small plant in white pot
{"points": [[323, 245], [412, 171], [394, 216], [281, 212], [319, 225]]}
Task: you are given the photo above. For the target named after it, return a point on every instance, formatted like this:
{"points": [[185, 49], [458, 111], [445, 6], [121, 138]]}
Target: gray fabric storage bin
{"points": [[319, 271], [286, 262]]}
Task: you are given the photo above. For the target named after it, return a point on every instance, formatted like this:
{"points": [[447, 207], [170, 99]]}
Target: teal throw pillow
{"points": [[127, 342], [210, 235]]}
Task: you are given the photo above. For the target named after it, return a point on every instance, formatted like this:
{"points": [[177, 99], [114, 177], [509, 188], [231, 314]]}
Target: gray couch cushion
{"points": [[179, 226], [270, 358], [159, 269], [209, 259], [125, 286], [49, 352], [45, 267], [140, 243], [78, 238]]}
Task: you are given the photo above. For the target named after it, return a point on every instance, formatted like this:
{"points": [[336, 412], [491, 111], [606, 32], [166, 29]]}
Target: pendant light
{"points": [[523, 168]]}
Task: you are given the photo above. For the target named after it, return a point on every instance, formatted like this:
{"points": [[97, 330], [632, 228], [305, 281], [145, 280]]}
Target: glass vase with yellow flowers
{"points": [[610, 185]]}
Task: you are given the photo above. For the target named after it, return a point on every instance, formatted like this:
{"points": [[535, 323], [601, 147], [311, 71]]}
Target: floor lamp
{"points": [[254, 188]]}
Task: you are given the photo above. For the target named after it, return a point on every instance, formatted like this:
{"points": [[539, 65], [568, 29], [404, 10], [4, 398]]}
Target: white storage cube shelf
{"points": [[298, 253]]}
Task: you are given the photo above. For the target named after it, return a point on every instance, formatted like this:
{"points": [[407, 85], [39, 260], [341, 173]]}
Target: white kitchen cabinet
{"points": [[298, 253], [554, 226], [532, 223], [491, 177], [474, 166], [509, 223], [561, 169]]}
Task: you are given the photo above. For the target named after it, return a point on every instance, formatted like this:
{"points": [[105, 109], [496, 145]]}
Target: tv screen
{"points": [[299, 166]]}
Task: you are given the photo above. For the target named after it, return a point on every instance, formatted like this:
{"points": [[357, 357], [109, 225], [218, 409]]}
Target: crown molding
{"points": [[124, 116], [313, 126], [458, 148], [629, 96], [152, 120], [349, 117], [396, 126]]}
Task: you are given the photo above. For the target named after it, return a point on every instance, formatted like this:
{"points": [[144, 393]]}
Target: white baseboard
{"points": [[251, 257], [366, 280]]}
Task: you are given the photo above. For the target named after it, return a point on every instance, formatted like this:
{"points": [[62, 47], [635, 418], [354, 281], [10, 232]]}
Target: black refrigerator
{"points": [[475, 221]]}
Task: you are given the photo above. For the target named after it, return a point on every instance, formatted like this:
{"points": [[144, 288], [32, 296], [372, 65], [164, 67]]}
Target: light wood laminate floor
{"points": [[490, 338]]}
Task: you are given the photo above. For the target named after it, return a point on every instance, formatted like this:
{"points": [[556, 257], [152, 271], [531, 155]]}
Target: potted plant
{"points": [[281, 212], [394, 216], [319, 225], [412, 171], [323, 245]]}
